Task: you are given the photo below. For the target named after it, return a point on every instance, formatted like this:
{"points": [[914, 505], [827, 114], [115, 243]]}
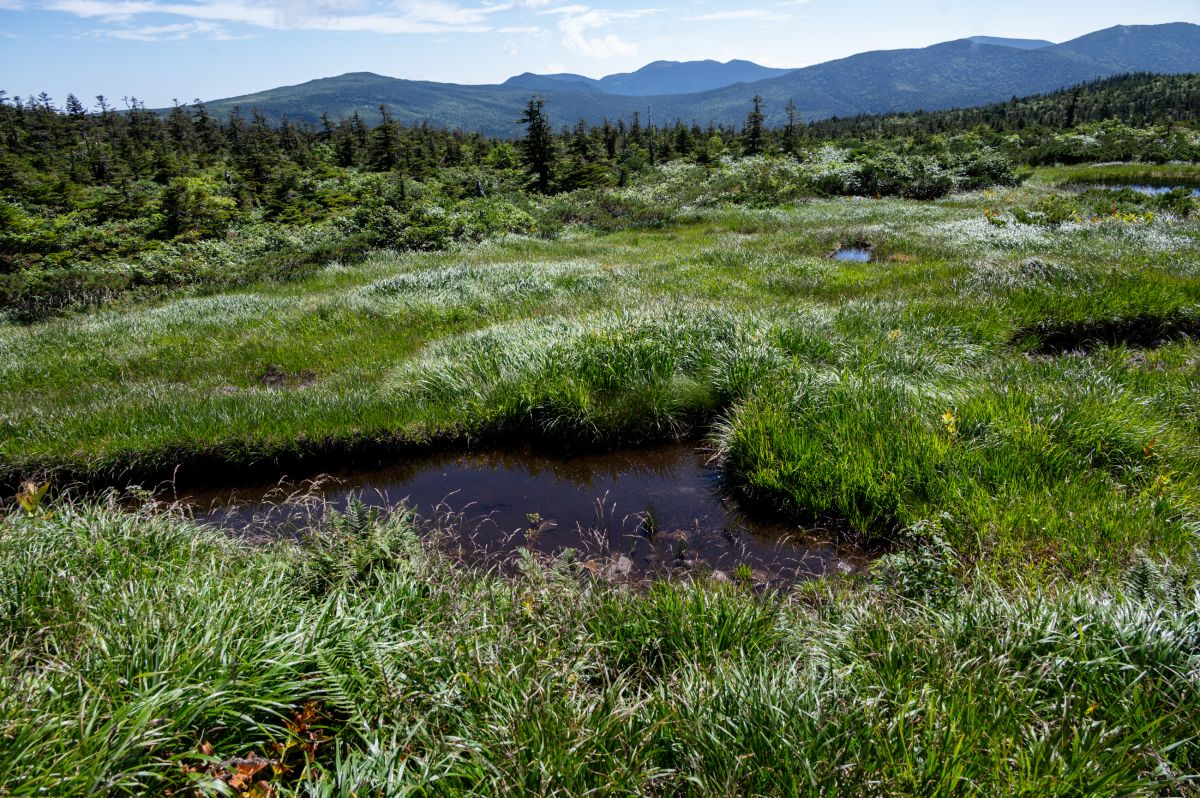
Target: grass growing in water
{"points": [[141, 654]]}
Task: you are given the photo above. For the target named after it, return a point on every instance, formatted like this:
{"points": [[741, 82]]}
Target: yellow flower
{"points": [[950, 421]]}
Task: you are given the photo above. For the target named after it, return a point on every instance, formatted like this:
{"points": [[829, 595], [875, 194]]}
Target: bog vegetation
{"points": [[1002, 399]]}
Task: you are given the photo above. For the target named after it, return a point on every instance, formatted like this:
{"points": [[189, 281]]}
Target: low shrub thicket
{"points": [[190, 231]]}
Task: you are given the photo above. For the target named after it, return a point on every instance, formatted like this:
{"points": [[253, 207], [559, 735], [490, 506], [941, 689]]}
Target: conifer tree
{"points": [[791, 129], [385, 143], [537, 147], [74, 107], [754, 133]]}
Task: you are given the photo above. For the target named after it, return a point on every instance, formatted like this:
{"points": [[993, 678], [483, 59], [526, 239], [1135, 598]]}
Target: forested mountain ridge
{"points": [[963, 73], [1136, 99], [948, 75], [658, 78]]}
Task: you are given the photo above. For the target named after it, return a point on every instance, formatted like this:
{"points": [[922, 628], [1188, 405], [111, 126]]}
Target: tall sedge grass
{"points": [[142, 655]]}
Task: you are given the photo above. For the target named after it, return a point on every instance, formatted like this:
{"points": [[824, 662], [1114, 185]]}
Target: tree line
{"points": [[1136, 100]]}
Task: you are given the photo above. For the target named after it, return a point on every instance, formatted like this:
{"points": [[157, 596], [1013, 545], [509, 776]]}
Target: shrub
{"points": [[603, 210]]}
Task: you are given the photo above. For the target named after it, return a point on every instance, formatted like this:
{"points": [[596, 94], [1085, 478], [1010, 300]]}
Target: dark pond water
{"points": [[853, 254], [626, 513]]}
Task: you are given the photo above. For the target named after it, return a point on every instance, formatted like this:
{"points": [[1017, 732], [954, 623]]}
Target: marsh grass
{"points": [[1071, 444], [1166, 174], [142, 654], [1006, 402]]}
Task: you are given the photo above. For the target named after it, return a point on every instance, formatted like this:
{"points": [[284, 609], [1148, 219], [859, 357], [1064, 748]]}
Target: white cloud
{"points": [[263, 16], [575, 21], [168, 33], [384, 23], [397, 16], [442, 13], [583, 29]]}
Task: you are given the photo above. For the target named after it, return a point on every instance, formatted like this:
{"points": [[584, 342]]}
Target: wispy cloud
{"points": [[577, 21], [124, 10], [358, 16], [583, 29], [753, 14], [169, 33]]}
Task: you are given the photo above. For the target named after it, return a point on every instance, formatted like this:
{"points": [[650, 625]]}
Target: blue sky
{"points": [[157, 50]]}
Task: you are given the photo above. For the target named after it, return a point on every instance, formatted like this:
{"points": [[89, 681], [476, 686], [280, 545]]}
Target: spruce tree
{"points": [[74, 107], [385, 143], [537, 148], [791, 129], [754, 128]]}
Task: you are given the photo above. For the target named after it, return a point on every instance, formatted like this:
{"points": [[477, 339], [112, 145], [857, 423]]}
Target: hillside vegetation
{"points": [[1140, 99], [104, 205]]}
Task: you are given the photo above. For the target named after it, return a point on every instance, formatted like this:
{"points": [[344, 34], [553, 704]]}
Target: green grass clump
{"points": [[1154, 174], [141, 654], [1035, 468]]}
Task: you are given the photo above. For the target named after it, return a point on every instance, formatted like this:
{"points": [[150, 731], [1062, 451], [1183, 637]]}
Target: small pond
{"points": [[627, 513], [857, 254]]}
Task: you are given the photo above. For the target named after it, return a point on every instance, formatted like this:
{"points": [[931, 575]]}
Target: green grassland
{"points": [[917, 386], [1007, 396], [146, 656], [1167, 174]]}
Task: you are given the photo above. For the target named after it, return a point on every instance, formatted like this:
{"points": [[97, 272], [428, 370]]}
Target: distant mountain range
{"points": [[658, 78], [967, 72]]}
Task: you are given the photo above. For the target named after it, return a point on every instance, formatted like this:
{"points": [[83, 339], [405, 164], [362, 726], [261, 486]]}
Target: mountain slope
{"points": [[530, 80], [658, 78], [1138, 99], [492, 110], [1170, 49], [961, 73], [1020, 44], [953, 74], [688, 77]]}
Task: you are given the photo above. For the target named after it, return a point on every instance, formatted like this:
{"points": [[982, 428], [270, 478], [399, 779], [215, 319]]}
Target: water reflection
{"points": [[853, 254], [639, 511]]}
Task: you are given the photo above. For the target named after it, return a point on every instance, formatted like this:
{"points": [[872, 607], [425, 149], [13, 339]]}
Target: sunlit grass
{"points": [[1168, 174], [826, 380], [142, 655], [1008, 411]]}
